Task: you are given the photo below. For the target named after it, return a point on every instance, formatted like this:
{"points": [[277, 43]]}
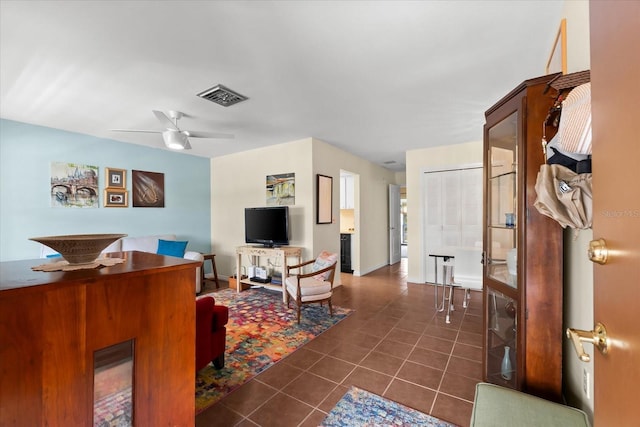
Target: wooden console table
{"points": [[52, 325], [279, 254]]}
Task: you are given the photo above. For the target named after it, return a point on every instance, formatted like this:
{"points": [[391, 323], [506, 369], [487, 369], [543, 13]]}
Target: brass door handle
{"points": [[597, 337], [598, 251]]}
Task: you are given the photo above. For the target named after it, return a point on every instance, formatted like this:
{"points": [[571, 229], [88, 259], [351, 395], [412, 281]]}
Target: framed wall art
{"points": [[557, 61], [324, 202], [147, 189], [116, 178], [115, 198], [281, 189], [73, 185]]}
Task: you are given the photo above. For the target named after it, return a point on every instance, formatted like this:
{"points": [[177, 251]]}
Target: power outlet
{"points": [[586, 383]]}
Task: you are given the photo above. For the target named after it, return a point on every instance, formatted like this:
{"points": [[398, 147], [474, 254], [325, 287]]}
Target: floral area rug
{"points": [[361, 408], [260, 332]]}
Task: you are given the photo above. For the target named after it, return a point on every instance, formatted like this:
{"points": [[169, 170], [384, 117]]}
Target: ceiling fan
{"points": [[174, 137]]}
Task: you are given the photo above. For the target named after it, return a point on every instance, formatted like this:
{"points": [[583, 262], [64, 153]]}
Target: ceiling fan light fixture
{"points": [[175, 140]]}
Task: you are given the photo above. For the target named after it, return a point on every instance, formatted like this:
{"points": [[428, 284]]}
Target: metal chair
{"points": [[464, 271]]}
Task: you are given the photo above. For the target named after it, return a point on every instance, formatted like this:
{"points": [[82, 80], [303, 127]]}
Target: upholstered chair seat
{"points": [[310, 289]]}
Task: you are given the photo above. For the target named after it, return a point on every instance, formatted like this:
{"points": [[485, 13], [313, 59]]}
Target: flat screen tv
{"points": [[268, 226]]}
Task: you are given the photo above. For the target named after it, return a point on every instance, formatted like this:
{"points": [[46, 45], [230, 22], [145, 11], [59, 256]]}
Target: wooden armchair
{"points": [[316, 286]]}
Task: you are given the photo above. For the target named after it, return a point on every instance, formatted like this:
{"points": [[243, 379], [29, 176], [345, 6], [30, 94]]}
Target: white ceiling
{"points": [[373, 78]]}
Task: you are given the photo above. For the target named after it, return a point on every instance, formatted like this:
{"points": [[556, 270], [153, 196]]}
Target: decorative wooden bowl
{"points": [[79, 248]]}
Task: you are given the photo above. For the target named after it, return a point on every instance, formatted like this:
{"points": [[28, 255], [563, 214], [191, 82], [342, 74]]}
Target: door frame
{"points": [[394, 224]]}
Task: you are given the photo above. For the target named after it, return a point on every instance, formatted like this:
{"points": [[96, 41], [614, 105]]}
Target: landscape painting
{"points": [[74, 185], [281, 189]]}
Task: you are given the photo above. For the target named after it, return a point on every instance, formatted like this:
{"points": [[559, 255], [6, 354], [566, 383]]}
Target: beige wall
{"points": [[578, 274], [370, 242], [419, 161], [238, 181]]}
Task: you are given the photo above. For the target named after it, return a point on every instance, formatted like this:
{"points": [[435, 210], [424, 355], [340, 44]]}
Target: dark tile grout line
{"points": [[358, 365], [281, 389], [307, 370]]}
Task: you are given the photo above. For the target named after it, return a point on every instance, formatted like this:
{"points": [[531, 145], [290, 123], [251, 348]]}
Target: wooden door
{"points": [[615, 71]]}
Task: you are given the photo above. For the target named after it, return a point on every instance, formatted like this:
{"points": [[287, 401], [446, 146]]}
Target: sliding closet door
{"points": [[452, 212], [471, 207]]}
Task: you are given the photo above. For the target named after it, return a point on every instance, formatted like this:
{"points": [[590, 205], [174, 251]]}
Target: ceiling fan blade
{"points": [[135, 130], [166, 121], [198, 134]]}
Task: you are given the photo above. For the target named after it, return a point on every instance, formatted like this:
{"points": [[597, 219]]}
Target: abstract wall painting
{"points": [[74, 185], [147, 189], [281, 189]]}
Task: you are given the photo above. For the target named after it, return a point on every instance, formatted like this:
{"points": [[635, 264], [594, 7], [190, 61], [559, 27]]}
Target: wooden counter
{"points": [[51, 324]]}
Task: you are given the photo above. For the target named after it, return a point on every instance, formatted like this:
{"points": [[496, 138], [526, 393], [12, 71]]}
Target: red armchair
{"points": [[211, 333]]}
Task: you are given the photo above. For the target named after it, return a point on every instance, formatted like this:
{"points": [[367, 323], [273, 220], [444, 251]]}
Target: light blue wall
{"points": [[26, 153]]}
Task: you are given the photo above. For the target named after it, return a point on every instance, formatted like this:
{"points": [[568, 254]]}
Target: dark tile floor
{"points": [[395, 345]]}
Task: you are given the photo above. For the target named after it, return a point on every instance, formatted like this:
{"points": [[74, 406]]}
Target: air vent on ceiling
{"points": [[389, 162], [222, 95]]}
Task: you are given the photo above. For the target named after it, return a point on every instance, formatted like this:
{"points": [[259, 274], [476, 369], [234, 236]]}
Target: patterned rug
{"points": [[261, 331], [361, 408]]}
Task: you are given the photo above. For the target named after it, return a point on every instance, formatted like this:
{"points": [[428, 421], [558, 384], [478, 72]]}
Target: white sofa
{"points": [[142, 244]]}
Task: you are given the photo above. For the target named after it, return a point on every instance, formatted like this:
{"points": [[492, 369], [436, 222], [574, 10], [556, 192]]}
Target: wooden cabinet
{"points": [[523, 249], [346, 192], [52, 325], [345, 253]]}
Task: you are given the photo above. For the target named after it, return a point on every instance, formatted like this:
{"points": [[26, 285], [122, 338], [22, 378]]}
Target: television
{"points": [[268, 226]]}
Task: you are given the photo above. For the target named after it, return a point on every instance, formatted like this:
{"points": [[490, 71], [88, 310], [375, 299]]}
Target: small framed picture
{"points": [[116, 178], [115, 198]]}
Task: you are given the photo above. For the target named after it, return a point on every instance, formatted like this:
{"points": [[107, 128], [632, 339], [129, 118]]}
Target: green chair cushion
{"points": [[496, 406]]}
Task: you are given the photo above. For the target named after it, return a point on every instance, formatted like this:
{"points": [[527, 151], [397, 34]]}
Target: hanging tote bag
{"points": [[565, 196]]}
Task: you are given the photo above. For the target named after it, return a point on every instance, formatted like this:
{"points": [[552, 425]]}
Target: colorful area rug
{"points": [[261, 331], [361, 408]]}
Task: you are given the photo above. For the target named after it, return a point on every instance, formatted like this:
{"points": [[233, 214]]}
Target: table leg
{"points": [[285, 296], [238, 276], [438, 307]]}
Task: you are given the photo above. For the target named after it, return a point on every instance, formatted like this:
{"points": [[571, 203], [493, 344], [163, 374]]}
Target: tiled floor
{"points": [[395, 345]]}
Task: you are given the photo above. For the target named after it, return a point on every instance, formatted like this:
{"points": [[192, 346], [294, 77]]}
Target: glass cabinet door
{"points": [[502, 325], [502, 214]]}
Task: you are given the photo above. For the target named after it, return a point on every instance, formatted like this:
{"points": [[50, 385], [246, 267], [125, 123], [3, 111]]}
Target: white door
{"points": [[471, 207], [452, 211], [394, 224]]}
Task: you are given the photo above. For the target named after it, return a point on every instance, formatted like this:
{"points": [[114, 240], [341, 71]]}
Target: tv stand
{"points": [[279, 255]]}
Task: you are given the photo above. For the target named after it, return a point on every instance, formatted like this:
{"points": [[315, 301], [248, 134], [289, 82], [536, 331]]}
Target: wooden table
{"points": [[280, 255]]}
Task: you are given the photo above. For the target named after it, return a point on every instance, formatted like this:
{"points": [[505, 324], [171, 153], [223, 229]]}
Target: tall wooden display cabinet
{"points": [[523, 249]]}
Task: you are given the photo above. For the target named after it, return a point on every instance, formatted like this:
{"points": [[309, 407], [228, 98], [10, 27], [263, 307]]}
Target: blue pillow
{"points": [[171, 248]]}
